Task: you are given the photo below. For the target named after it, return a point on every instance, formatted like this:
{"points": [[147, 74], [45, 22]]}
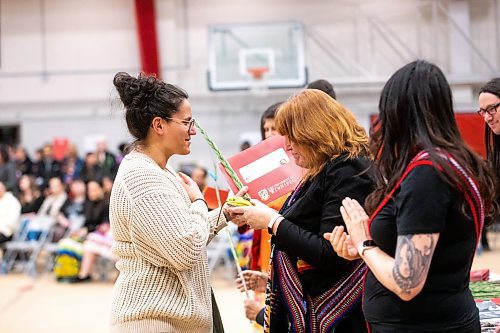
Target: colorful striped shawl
{"points": [[307, 314]]}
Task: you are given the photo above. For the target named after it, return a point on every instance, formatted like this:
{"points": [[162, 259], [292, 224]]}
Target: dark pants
{"points": [[354, 322], [474, 328], [484, 240], [4, 239], [218, 327]]}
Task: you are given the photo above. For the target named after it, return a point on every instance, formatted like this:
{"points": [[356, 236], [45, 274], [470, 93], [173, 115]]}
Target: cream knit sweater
{"points": [[160, 240]]}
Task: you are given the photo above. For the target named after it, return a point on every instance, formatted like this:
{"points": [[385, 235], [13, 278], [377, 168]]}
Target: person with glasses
{"points": [[427, 211], [159, 220], [489, 110], [188, 123]]}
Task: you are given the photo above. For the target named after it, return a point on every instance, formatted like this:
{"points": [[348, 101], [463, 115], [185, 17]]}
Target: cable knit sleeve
{"points": [[166, 232], [217, 221]]}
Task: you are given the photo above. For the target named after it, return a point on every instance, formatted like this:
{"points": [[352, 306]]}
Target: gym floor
{"points": [[44, 306]]}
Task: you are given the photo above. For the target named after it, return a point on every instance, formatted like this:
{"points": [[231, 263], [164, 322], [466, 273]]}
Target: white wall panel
{"points": [[21, 44], [57, 81]]}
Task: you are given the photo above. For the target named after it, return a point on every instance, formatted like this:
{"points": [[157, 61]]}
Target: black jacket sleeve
{"points": [[260, 317], [339, 180]]}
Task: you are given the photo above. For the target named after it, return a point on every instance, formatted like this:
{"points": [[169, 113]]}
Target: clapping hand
{"points": [[356, 221], [342, 244]]}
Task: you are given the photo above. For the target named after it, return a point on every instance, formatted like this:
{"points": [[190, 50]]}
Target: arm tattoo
{"points": [[412, 260]]}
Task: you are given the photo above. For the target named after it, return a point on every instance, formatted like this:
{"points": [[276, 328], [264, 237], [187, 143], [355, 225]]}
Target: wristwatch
{"points": [[366, 245]]}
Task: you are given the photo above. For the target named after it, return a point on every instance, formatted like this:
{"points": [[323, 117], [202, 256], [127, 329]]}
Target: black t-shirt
{"points": [[426, 204], [96, 212]]}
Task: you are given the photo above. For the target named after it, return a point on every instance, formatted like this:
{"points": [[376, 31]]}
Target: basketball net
{"points": [[258, 85]]}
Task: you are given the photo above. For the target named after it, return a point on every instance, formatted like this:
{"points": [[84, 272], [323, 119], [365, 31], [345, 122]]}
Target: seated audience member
{"points": [[91, 170], [7, 170], [98, 242], [47, 167], [50, 209], [72, 165], [107, 186], [24, 164], [10, 211], [96, 208], [35, 167], [53, 203], [30, 196], [106, 160], [199, 175], [71, 216]]}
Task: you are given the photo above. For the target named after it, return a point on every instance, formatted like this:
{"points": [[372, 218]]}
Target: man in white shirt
{"points": [[10, 211]]}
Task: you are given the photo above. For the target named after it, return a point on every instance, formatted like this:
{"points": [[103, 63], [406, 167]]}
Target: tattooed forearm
{"points": [[412, 260]]}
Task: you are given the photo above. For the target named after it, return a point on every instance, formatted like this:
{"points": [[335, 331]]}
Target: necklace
{"points": [[295, 193]]}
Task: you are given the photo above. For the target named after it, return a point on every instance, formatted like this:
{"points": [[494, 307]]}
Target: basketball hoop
{"points": [[257, 72], [258, 87]]}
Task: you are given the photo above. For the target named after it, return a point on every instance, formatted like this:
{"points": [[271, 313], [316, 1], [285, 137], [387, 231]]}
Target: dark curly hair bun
{"points": [[144, 98]]}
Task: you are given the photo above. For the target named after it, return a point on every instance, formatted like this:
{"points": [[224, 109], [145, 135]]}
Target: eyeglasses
{"points": [[490, 109], [188, 123]]}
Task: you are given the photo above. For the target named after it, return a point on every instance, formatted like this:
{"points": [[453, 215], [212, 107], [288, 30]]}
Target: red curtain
{"points": [[471, 127], [146, 32]]}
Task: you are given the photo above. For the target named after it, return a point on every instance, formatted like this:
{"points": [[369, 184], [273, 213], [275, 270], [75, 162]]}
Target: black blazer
{"points": [[317, 211]]}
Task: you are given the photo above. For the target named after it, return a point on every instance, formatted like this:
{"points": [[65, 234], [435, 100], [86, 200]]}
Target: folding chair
{"points": [[28, 247], [19, 235]]}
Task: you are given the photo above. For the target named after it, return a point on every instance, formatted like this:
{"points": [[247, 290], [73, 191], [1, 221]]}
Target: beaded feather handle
{"points": [[230, 171], [229, 237]]}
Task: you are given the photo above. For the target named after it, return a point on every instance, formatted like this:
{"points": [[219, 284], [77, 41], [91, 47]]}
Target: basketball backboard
{"points": [[243, 56]]}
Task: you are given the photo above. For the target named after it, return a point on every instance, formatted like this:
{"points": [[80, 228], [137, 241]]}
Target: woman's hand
{"points": [[252, 308], [254, 280], [256, 216], [356, 221], [191, 187], [342, 244]]}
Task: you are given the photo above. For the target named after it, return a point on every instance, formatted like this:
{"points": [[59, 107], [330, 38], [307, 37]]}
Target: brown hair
{"points": [[35, 190], [323, 126]]}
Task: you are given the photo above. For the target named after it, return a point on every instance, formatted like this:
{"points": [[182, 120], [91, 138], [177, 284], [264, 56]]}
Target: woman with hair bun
{"points": [[160, 222]]}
